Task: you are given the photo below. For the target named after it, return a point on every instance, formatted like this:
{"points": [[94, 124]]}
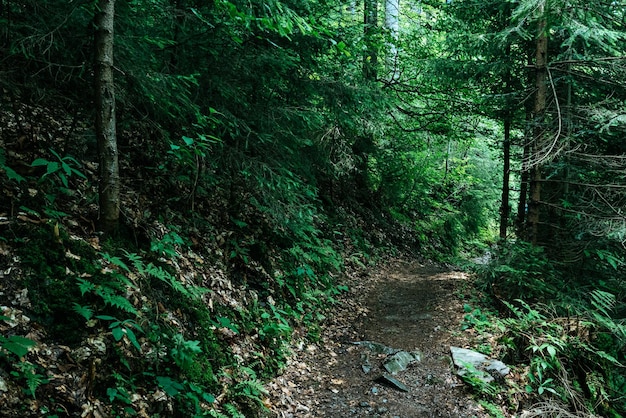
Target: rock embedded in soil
{"points": [[389, 380], [400, 361], [469, 361]]}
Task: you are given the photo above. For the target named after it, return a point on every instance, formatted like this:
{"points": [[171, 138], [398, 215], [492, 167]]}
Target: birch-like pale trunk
{"points": [[109, 181], [392, 25], [392, 21]]}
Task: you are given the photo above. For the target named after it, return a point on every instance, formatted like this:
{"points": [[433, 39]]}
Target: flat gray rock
{"points": [[400, 361], [469, 361], [389, 380]]}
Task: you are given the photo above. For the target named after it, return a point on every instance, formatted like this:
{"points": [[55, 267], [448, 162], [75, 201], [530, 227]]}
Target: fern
{"points": [[84, 311], [28, 371], [216, 414], [85, 286], [603, 301], [110, 298], [233, 411], [137, 262], [115, 261]]}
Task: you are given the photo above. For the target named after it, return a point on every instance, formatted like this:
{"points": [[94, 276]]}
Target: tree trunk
{"points": [[109, 181], [520, 221], [371, 56], [539, 128], [506, 171], [392, 24], [506, 149]]}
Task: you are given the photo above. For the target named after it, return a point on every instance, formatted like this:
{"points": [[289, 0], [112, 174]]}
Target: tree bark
{"points": [[392, 21], [109, 181], [506, 172], [370, 59], [541, 73], [506, 150], [392, 25], [520, 221]]}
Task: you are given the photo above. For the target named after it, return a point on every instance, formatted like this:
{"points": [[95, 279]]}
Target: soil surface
{"points": [[408, 306]]}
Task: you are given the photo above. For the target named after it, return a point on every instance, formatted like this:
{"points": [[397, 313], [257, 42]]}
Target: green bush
{"points": [[519, 270]]}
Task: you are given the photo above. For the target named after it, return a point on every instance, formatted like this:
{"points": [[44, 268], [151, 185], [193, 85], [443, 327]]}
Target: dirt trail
{"points": [[407, 306]]}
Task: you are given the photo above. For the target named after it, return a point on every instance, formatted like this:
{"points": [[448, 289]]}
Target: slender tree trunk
{"points": [[364, 144], [506, 150], [109, 185], [370, 59], [539, 128], [506, 173], [520, 221]]}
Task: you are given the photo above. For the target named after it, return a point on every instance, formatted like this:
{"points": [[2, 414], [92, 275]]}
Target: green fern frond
{"points": [[85, 286], [110, 298], [603, 301], [115, 261], [233, 411], [137, 261], [84, 311]]}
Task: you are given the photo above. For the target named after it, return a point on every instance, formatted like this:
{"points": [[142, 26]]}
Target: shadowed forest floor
{"points": [[409, 306]]}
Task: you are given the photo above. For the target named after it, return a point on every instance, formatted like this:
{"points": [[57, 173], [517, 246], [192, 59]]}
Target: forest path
{"points": [[407, 306]]}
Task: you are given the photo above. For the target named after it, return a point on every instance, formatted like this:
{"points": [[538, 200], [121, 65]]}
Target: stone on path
{"points": [[400, 361], [469, 361], [391, 381]]}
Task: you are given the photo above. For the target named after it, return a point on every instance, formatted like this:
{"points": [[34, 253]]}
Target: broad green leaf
{"points": [[118, 333], [18, 345]]}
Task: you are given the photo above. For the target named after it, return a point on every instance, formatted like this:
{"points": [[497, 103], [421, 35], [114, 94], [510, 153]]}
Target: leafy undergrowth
{"points": [[185, 313], [566, 345]]}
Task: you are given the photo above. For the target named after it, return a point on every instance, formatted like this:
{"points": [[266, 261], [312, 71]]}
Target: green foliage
{"points": [[192, 156], [63, 168], [121, 392], [30, 374], [120, 329], [150, 270], [10, 173], [183, 351], [24, 370], [15, 344], [476, 380], [520, 270], [51, 286], [189, 394], [167, 245]]}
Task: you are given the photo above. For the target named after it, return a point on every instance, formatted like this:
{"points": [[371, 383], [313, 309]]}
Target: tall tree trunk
{"points": [[392, 24], [506, 149], [109, 181], [506, 174], [521, 221], [370, 59], [522, 208], [364, 144], [539, 128]]}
